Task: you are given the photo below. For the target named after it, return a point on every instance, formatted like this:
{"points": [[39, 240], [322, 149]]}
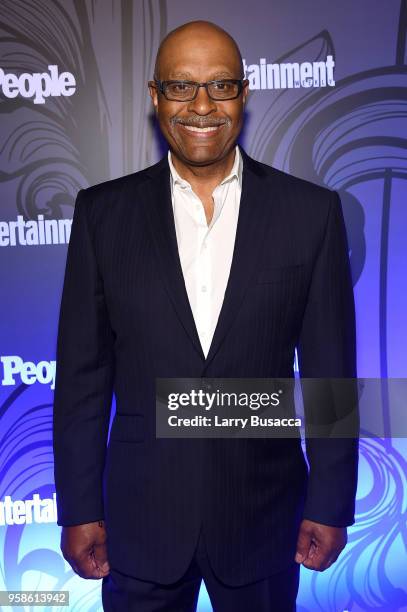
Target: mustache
{"points": [[200, 122]]}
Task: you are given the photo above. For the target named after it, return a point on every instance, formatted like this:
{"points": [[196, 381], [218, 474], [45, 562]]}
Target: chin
{"points": [[202, 157], [200, 160]]}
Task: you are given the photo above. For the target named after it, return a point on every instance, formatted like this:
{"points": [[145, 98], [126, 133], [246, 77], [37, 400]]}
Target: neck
{"points": [[205, 178]]}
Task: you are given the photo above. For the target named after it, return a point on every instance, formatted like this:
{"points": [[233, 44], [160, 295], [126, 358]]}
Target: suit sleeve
{"points": [[327, 349], [84, 380]]}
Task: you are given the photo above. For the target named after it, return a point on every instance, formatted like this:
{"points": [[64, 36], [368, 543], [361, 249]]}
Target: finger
{"points": [[101, 569], [100, 555], [319, 560], [83, 572], [86, 567], [104, 570], [101, 573], [101, 565], [332, 559], [303, 545]]}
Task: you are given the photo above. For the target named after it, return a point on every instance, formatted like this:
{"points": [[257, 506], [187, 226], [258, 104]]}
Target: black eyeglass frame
{"points": [[161, 86]]}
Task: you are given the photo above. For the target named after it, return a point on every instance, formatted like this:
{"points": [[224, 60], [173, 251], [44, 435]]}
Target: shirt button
{"points": [[203, 288]]}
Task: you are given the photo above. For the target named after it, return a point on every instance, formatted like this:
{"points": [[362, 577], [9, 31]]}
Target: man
{"points": [[208, 264]]}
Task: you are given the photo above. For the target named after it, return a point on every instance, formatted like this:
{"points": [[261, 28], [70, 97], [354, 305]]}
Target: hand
{"points": [[84, 547], [318, 546]]}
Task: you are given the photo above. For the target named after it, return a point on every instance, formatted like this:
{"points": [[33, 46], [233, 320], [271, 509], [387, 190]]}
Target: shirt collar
{"points": [[236, 171]]}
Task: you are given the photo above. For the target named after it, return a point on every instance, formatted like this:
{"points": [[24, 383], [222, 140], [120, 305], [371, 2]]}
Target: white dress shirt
{"points": [[206, 251]]}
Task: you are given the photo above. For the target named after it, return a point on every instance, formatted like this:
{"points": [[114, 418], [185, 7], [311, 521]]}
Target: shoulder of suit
{"points": [[293, 183], [114, 187]]}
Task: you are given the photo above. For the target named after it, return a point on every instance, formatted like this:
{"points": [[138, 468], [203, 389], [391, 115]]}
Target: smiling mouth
{"points": [[206, 130], [194, 128]]}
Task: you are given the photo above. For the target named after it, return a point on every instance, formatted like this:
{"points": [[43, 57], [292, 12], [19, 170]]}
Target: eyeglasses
{"points": [[184, 91]]}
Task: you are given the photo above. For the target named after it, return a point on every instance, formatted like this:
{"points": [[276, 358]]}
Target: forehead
{"points": [[202, 58]]}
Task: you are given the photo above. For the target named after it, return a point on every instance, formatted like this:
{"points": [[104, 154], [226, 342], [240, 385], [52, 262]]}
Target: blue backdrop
{"points": [[328, 103]]}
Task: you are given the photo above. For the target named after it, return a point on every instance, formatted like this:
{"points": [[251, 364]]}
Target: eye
{"points": [[223, 86], [179, 87]]}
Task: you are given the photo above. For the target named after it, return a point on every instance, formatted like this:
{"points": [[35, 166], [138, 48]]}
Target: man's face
{"points": [[200, 59]]}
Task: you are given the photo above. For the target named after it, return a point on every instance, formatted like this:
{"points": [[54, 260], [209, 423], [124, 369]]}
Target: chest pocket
{"points": [[279, 274]]}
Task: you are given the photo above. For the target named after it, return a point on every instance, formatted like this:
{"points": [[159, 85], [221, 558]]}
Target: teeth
{"points": [[193, 128]]}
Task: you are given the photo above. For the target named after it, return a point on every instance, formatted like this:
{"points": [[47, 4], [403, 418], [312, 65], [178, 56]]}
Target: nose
{"points": [[203, 104]]}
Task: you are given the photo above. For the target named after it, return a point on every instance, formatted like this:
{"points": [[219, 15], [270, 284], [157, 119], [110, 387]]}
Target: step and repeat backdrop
{"points": [[328, 103]]}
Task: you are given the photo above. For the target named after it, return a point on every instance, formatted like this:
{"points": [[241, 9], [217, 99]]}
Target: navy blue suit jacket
{"points": [[125, 319]]}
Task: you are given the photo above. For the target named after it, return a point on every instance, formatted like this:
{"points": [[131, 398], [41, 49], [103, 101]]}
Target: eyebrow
{"points": [[188, 77]]}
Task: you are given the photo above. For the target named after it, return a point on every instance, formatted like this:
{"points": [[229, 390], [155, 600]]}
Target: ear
{"points": [[152, 88], [245, 90]]}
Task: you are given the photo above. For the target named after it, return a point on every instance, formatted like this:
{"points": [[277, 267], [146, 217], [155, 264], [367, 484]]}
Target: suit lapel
{"points": [[250, 233], [158, 207]]}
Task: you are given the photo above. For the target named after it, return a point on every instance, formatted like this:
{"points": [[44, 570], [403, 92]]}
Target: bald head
{"points": [[193, 38]]}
